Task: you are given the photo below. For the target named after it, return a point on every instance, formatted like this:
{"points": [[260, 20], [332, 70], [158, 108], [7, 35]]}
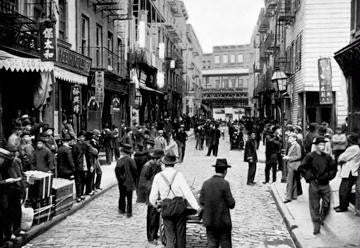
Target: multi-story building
{"points": [[349, 60], [298, 37], [227, 83], [193, 62]]}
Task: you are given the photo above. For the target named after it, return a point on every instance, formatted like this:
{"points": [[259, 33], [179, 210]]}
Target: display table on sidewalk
{"points": [[339, 230]]}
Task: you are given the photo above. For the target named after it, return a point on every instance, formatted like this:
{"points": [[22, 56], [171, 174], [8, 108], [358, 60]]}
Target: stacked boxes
{"points": [[63, 195]]}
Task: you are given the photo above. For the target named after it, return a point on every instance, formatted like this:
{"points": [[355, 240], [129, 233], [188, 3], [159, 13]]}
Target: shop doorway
{"points": [[319, 113], [17, 94]]}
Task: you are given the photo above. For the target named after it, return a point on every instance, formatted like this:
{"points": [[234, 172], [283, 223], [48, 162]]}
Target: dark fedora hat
{"points": [[126, 148], [156, 153], [42, 138], [221, 162], [82, 133], [67, 138], [169, 158], [5, 153], [319, 140]]}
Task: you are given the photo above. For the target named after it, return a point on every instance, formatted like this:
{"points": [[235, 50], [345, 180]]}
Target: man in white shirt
{"points": [[175, 227]]}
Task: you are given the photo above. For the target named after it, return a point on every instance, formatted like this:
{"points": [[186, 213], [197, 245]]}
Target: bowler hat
{"points": [[221, 162], [318, 140], [82, 133], [126, 148], [5, 153], [66, 138], [24, 133], [26, 122], [156, 153], [169, 158]]}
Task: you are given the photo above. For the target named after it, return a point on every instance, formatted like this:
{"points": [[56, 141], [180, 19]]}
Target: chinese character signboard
{"points": [[76, 100], [99, 86], [325, 80], [47, 41]]}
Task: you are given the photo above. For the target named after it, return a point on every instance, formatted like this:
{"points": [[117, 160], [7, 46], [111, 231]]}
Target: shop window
{"points": [[85, 35], [240, 58], [233, 83], [62, 19], [217, 59], [232, 58], [226, 83], [241, 84]]}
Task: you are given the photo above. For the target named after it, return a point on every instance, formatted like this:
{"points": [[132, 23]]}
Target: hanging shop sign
{"points": [[325, 81], [115, 103], [76, 99], [47, 41], [93, 105], [99, 86], [73, 61]]}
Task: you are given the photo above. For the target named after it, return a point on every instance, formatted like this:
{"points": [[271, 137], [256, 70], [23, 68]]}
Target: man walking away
{"points": [[181, 138], [214, 140], [250, 156], [318, 168], [126, 174], [350, 160], [217, 200], [150, 169], [169, 184]]}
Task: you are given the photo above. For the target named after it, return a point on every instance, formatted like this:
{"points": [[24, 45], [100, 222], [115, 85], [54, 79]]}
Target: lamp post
{"points": [[280, 80]]}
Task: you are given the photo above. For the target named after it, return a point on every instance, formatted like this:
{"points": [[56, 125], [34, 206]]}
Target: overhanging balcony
{"points": [[105, 59], [18, 32], [286, 11], [270, 43]]}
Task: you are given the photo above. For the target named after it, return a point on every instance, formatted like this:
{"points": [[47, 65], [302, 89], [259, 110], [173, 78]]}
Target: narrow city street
{"points": [[256, 220]]}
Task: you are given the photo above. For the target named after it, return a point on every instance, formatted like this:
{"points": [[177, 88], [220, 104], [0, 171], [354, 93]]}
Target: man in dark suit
{"points": [[65, 161], [214, 140], [217, 200], [250, 156]]}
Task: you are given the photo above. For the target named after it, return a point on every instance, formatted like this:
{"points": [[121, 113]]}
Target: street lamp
{"points": [[280, 79]]}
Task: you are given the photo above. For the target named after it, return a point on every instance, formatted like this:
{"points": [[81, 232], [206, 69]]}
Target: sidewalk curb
{"points": [[288, 218], [39, 229]]}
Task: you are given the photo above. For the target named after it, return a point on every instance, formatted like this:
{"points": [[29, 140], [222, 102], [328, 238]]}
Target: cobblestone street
{"points": [[256, 220]]}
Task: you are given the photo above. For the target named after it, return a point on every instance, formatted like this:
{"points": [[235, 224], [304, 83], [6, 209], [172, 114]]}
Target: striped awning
{"points": [[69, 76], [12, 62]]}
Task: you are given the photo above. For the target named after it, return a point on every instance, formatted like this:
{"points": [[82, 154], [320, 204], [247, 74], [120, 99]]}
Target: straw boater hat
{"points": [[221, 163], [5, 153], [126, 148], [169, 158], [156, 153]]}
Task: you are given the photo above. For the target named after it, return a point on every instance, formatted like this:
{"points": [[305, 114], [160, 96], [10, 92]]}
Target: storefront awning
{"points": [[69, 76], [143, 87], [12, 62]]}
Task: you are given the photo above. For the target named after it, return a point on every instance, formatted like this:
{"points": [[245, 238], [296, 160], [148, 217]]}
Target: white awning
{"points": [[69, 76], [12, 62], [232, 71], [143, 87]]}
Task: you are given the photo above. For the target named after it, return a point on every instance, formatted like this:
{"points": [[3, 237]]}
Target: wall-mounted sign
{"points": [[325, 81], [72, 60], [47, 41], [99, 86], [76, 99]]}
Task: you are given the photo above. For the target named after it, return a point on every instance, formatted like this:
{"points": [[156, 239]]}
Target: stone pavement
{"points": [[339, 230], [256, 220]]}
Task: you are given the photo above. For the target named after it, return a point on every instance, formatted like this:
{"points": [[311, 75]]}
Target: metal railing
{"points": [[286, 11]]}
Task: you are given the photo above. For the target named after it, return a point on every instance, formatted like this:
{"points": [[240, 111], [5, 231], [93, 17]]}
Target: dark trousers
{"points": [[89, 182], [181, 150], [218, 238], [125, 199], [319, 193], [175, 232], [98, 173], [214, 149], [108, 154], [2, 225], [117, 151], [152, 223], [80, 179], [12, 216], [345, 191], [268, 167], [251, 172]]}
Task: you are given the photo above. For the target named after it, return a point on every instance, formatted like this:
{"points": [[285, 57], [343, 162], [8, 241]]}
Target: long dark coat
{"points": [[126, 173], [216, 200], [65, 162], [148, 172], [250, 151]]}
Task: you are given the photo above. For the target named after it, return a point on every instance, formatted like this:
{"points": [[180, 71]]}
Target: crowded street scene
{"points": [[179, 123]]}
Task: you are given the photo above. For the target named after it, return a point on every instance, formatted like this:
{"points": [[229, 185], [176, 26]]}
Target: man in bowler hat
{"points": [[217, 200]]}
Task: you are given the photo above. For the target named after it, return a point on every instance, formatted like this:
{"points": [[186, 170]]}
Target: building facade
{"points": [[192, 76], [227, 84], [298, 38], [349, 60]]}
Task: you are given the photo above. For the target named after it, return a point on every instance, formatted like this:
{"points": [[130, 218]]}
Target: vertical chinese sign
{"points": [[76, 99], [99, 86], [325, 81], [47, 41]]}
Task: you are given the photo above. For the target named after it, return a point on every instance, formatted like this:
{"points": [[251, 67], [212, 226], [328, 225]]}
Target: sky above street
{"points": [[223, 22]]}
